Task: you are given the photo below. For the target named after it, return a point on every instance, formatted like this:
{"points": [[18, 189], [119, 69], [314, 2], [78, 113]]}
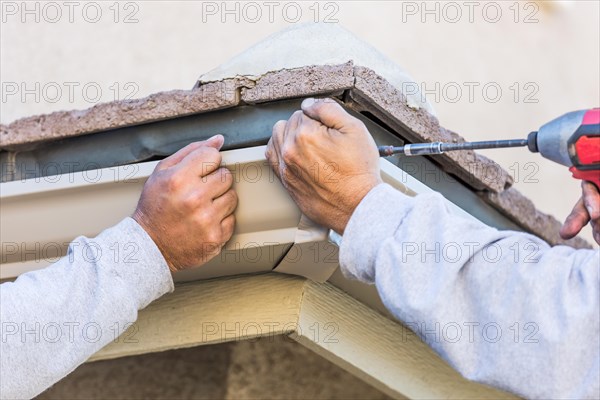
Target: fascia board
{"points": [[213, 311], [381, 352], [323, 318]]}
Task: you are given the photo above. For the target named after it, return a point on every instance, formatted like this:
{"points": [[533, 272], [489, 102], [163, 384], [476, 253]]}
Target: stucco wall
{"points": [[545, 63], [270, 368]]}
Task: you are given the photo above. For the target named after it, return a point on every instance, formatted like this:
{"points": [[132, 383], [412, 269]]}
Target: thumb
{"points": [[215, 141], [328, 112], [575, 221]]}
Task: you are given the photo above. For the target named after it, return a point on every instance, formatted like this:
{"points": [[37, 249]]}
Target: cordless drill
{"points": [[572, 140]]}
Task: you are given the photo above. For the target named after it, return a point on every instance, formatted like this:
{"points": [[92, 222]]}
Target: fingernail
{"points": [[590, 209], [215, 137], [306, 103]]}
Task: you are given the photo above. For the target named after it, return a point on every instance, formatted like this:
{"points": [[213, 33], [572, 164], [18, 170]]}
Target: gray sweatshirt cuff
{"points": [[141, 265], [375, 219]]}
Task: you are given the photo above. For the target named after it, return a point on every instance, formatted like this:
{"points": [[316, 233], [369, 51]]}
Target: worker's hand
{"points": [[187, 205], [586, 210], [326, 159]]}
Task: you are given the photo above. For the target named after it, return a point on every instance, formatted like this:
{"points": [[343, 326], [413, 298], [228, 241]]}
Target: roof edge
{"points": [[307, 81], [118, 114], [376, 95], [361, 89]]}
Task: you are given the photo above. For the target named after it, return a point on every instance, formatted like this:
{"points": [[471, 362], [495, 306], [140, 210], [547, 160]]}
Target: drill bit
{"points": [[423, 149]]}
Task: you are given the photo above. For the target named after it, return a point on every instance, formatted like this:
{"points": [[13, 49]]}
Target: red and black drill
{"points": [[572, 140]]}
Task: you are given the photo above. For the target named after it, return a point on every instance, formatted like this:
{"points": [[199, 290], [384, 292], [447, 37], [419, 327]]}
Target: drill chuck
{"points": [[532, 142]]}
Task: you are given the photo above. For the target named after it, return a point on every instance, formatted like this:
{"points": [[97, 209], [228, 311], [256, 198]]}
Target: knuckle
{"points": [[161, 165], [231, 198], [226, 176], [356, 123], [269, 150], [229, 231], [234, 196], [271, 153], [204, 219], [211, 154], [189, 203], [306, 136], [214, 236], [289, 155], [269, 156], [175, 181], [279, 126], [302, 134]]}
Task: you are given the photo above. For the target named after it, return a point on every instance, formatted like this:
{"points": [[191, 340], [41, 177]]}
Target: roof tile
{"points": [[118, 114], [300, 82]]}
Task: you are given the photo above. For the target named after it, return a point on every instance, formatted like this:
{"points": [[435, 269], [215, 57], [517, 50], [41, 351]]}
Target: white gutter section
{"points": [[41, 216]]}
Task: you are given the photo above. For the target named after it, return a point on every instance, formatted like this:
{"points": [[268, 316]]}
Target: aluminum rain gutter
{"points": [[44, 213], [40, 216]]}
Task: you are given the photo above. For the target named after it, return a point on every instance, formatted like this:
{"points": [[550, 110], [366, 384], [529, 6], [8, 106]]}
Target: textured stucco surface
{"points": [[171, 44], [195, 373], [212, 96], [270, 368]]}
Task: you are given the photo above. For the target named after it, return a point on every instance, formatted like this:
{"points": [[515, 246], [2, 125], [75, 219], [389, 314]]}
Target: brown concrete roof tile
{"points": [[117, 114], [299, 82]]}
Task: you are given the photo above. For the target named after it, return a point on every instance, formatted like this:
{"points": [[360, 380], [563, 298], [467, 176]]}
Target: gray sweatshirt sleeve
{"points": [[54, 319], [502, 307]]}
